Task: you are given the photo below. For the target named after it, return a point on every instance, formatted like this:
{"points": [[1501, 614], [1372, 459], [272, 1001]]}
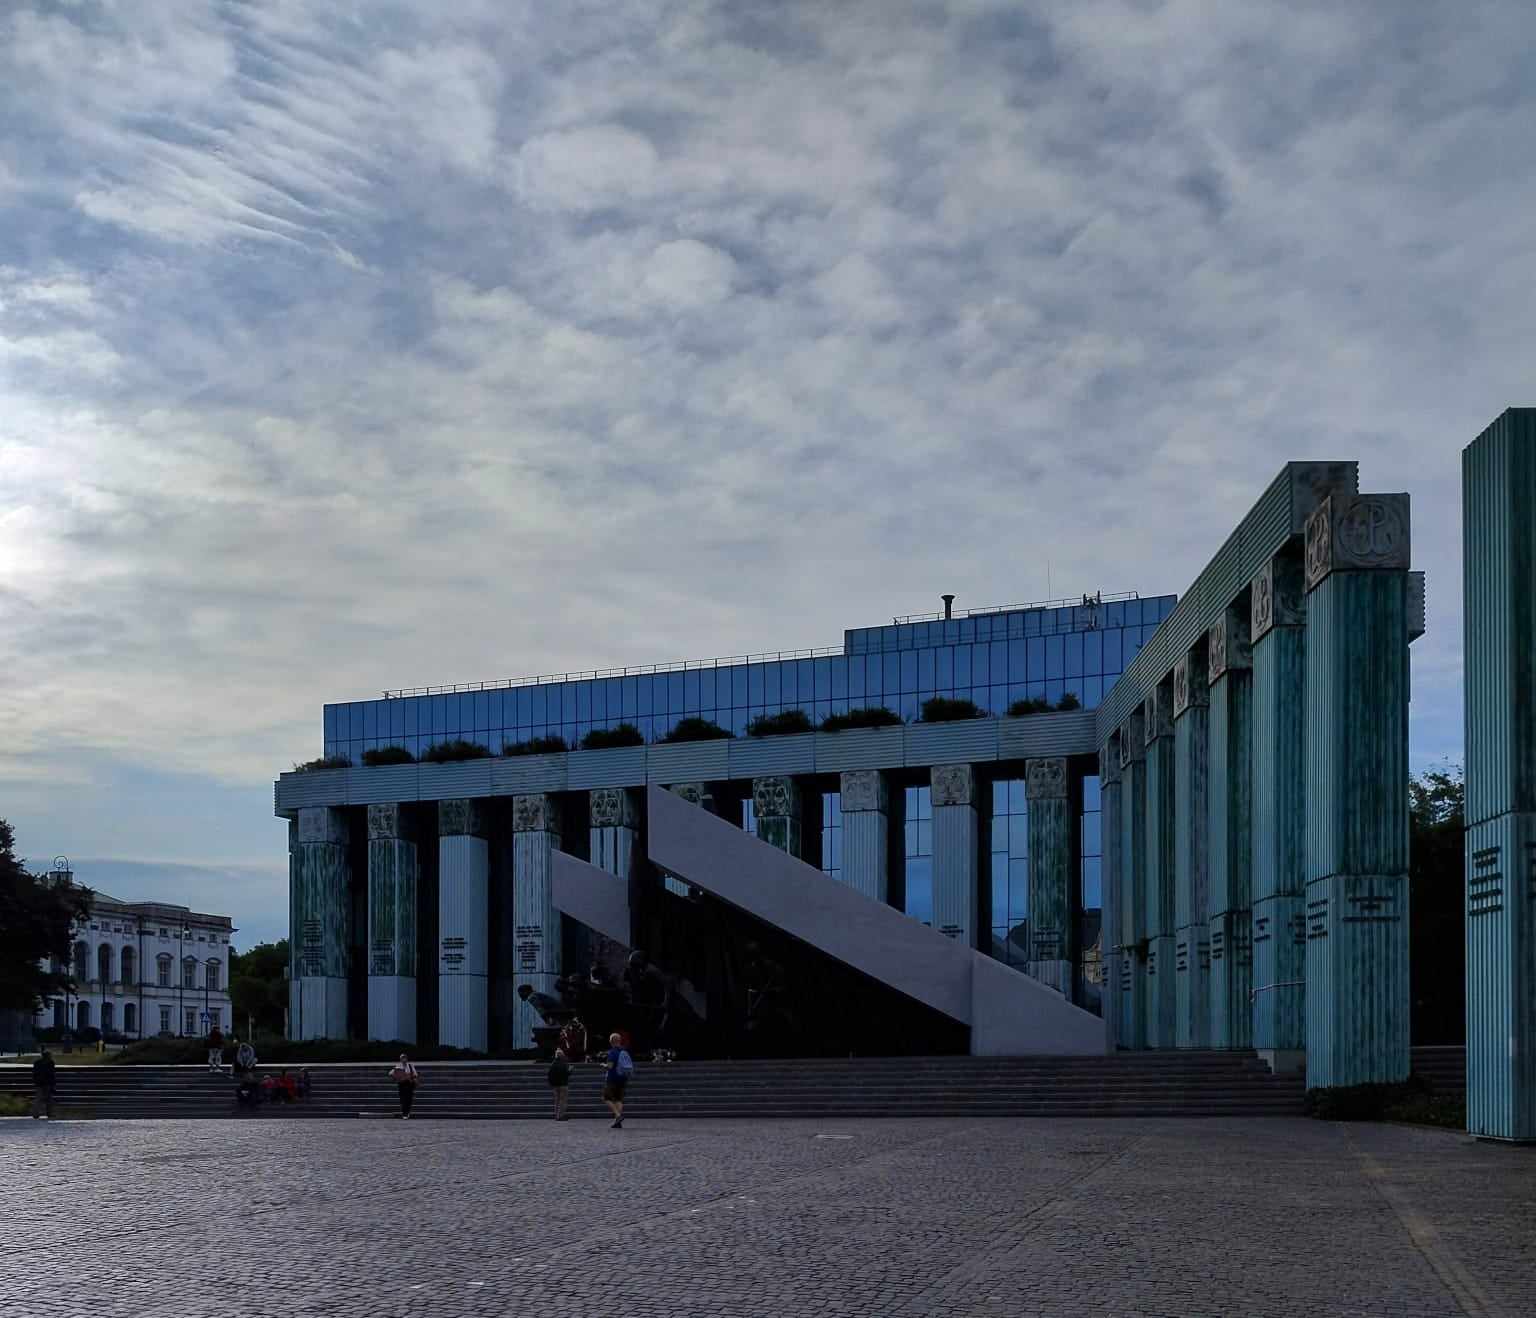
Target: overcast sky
{"points": [[346, 347]]}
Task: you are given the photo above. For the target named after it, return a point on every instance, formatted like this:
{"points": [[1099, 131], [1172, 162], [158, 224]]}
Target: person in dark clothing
{"points": [[42, 1085], [407, 1077], [216, 1050], [560, 1082]]}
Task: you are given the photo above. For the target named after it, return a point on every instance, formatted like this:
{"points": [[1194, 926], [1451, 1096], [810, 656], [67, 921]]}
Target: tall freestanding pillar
{"points": [[463, 926], [1110, 939], [613, 818], [1279, 813], [1230, 801], [1357, 790], [956, 873], [1133, 884], [1162, 985], [1052, 855], [320, 922], [776, 810], [866, 804], [1191, 824], [535, 839], [1498, 494], [391, 924]]}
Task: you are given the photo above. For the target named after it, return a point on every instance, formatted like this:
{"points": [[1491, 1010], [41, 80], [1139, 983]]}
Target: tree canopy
{"points": [[36, 914], [257, 989]]}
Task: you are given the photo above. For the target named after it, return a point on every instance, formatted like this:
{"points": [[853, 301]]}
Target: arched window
{"points": [[60, 1014], [163, 970], [189, 973], [80, 971], [106, 1017], [130, 1018], [213, 975], [82, 1015], [104, 963], [129, 966]]}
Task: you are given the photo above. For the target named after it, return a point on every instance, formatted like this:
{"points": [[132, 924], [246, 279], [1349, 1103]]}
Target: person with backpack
{"points": [[42, 1086], [560, 1082], [620, 1067], [407, 1077]]}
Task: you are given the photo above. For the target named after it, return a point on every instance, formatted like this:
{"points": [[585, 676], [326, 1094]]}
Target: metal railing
{"points": [[1072, 602]]}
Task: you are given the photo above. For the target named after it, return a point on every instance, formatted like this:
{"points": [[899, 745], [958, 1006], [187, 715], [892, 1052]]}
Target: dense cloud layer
{"points": [[342, 350]]}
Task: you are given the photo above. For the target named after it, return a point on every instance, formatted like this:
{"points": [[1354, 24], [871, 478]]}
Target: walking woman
{"points": [[407, 1077], [620, 1067]]}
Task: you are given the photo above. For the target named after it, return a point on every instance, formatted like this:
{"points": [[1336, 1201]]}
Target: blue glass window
{"points": [[1009, 857], [965, 669], [832, 834], [919, 854]]}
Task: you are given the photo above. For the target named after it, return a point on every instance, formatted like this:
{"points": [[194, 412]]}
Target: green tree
{"points": [[1437, 905], [257, 989], [36, 913]]}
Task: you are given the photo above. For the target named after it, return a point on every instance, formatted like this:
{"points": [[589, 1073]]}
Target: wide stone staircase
{"points": [[1196, 1084]]}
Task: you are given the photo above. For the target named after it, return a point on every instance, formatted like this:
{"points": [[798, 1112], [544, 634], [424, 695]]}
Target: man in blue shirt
{"points": [[620, 1067]]}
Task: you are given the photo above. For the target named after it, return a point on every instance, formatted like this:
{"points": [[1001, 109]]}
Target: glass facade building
{"points": [[992, 659]]}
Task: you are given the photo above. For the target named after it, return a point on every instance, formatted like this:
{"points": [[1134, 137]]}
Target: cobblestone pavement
{"points": [[688, 1219]]}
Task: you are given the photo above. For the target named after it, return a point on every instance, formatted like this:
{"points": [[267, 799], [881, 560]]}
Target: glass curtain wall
{"points": [[918, 862], [1010, 871], [832, 834], [1090, 916]]}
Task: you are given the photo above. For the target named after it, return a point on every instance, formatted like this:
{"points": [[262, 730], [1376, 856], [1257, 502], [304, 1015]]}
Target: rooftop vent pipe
{"points": [[949, 605]]}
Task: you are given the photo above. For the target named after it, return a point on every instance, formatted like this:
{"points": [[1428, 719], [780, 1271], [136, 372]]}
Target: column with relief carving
{"points": [[776, 810], [1230, 796], [956, 833], [1110, 789], [1357, 790], [536, 923], [1191, 825], [320, 903], [1052, 862], [1278, 597], [392, 873], [866, 803], [1161, 985], [1132, 1032], [463, 926]]}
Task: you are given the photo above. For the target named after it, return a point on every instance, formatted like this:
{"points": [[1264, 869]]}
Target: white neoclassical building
{"points": [[141, 969]]}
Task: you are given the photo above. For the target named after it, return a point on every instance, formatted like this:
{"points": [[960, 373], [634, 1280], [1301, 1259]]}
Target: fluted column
{"points": [[1162, 982], [321, 924], [1052, 852], [1133, 884], [696, 794], [1191, 825], [866, 804], [1110, 789], [1279, 812], [613, 818], [1230, 790], [1357, 790], [776, 808], [536, 931], [463, 926], [956, 832], [392, 874]]}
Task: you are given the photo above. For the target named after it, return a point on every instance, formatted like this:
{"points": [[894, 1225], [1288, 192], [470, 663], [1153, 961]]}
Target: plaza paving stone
{"points": [[737, 1219]]}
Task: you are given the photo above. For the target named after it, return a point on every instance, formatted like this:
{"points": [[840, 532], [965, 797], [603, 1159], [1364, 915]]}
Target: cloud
{"points": [[470, 341]]}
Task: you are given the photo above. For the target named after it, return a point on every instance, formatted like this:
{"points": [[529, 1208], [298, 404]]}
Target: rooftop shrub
{"points": [[870, 716], [621, 734], [696, 729], [536, 746], [447, 751], [1069, 701], [324, 762], [942, 709], [1024, 708], [785, 724], [388, 755]]}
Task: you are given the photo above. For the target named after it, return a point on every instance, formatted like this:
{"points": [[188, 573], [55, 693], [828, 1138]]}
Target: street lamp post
{"points": [[181, 982]]}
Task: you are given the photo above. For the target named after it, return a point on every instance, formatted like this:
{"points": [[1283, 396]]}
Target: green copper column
{"points": [[1161, 984], [1357, 790], [1052, 862], [536, 922], [1191, 824], [1279, 813], [1111, 939], [391, 924], [1499, 534], [1133, 884], [321, 901], [776, 810], [1230, 802]]}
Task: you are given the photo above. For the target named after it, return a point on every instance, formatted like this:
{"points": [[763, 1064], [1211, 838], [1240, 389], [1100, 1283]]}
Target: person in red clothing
{"points": [[288, 1087]]}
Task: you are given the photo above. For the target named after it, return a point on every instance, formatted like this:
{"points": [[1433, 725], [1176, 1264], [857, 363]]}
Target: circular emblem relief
{"points": [[1371, 531]]}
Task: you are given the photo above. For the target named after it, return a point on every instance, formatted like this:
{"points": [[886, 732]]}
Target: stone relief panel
{"points": [[1365, 534], [694, 793], [954, 784], [1131, 745], [1109, 762], [613, 807], [322, 824], [776, 796], [387, 821], [1189, 689], [864, 789], [538, 812], [1046, 779], [1279, 596], [460, 818], [1227, 645], [1157, 714]]}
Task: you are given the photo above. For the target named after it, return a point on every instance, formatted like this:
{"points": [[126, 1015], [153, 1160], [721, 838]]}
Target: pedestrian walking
{"points": [[42, 1086], [620, 1067], [560, 1082], [407, 1077], [216, 1050]]}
